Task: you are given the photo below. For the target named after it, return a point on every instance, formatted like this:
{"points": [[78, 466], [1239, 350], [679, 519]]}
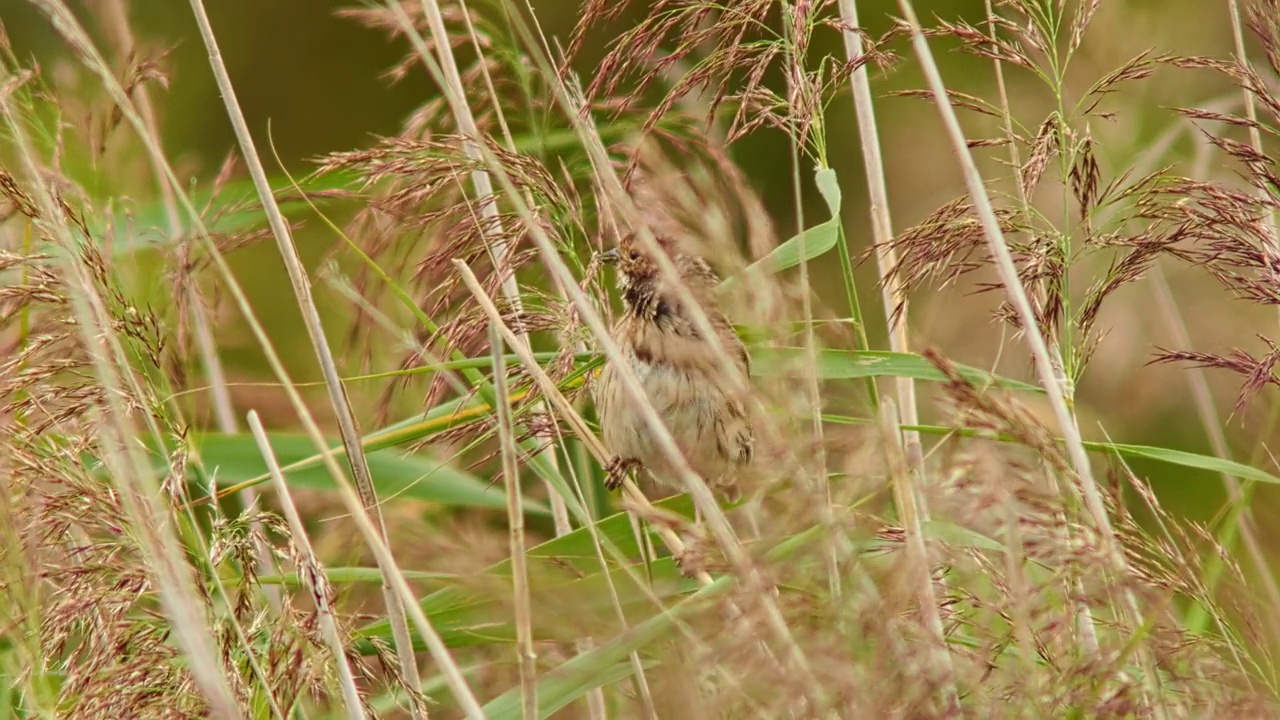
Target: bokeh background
{"points": [[318, 82]]}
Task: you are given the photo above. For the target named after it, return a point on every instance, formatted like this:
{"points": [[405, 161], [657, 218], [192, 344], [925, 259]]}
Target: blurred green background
{"points": [[317, 79]]}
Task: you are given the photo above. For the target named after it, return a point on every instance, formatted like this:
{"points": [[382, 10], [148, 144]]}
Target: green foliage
{"points": [[235, 459], [809, 244]]}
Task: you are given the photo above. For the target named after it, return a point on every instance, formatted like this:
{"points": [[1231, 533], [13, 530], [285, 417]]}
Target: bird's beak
{"points": [[609, 256]]}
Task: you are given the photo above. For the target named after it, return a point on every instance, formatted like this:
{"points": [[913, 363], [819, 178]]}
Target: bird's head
{"points": [[636, 265], [638, 268]]}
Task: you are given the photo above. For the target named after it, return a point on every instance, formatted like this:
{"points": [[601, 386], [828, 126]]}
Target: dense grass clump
{"points": [[956, 508]]}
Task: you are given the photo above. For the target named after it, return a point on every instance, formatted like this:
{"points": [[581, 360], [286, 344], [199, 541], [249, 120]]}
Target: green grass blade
{"points": [[146, 227], [1185, 459], [813, 242], [1169, 456], [235, 459], [468, 616], [857, 364]]}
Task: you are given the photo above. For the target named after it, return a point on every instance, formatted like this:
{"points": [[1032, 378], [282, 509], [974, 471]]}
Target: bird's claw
{"points": [[616, 471], [692, 562]]}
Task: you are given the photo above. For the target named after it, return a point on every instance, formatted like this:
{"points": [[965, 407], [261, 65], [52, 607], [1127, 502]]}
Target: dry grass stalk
{"points": [[515, 519], [905, 489], [892, 294], [450, 79], [315, 330], [1013, 536], [310, 570], [1259, 13]]}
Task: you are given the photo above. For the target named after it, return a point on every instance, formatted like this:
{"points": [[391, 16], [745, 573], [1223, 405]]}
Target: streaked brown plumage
{"points": [[684, 377]]}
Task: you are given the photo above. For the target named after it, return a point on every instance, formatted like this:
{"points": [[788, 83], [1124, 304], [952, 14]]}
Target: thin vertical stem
{"points": [[315, 330], [310, 572], [917, 557], [1013, 549], [891, 290], [515, 521], [821, 488], [223, 409], [1251, 112], [451, 81]]}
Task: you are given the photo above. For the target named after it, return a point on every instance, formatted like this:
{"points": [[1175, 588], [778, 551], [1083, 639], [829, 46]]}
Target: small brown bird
{"points": [[683, 376]]}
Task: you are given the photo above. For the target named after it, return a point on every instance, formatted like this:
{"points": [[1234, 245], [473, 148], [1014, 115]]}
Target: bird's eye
{"points": [[634, 255]]}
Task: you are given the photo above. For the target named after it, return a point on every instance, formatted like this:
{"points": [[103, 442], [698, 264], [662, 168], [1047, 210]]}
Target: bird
{"points": [[689, 383]]}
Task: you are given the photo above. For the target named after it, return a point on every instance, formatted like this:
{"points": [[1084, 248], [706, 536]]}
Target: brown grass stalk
{"points": [[515, 527], [1197, 382], [905, 489], [315, 331], [792, 18], [1251, 111], [891, 291], [1013, 553], [69, 27], [117, 21], [310, 572], [450, 80]]}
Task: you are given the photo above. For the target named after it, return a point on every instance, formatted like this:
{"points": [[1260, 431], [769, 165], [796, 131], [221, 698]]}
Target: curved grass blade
{"points": [[146, 227], [813, 242], [1185, 459], [1168, 456], [479, 613], [437, 420]]}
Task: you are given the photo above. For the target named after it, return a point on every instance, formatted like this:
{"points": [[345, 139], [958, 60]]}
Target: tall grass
{"points": [[920, 537]]}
